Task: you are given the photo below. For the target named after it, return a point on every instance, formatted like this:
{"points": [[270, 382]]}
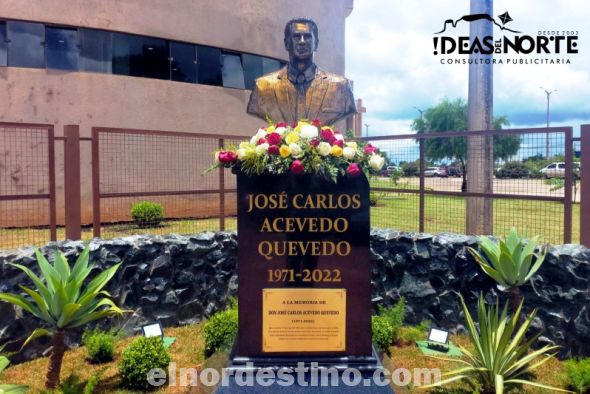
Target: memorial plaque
{"points": [[304, 268]]}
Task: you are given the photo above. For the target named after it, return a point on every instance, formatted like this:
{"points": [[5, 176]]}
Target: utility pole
{"points": [[367, 128], [421, 112], [548, 93], [480, 104]]}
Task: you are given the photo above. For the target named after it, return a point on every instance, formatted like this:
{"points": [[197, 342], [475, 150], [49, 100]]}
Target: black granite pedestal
{"points": [[323, 375]]}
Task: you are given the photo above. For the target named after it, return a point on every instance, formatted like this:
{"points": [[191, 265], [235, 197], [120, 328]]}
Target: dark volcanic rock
{"points": [[183, 279]]}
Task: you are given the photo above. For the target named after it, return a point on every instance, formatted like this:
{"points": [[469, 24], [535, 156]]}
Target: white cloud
{"points": [[389, 57]]}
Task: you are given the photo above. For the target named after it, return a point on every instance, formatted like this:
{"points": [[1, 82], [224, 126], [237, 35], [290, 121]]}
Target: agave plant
{"points": [[62, 303], [510, 262], [502, 359], [9, 388]]}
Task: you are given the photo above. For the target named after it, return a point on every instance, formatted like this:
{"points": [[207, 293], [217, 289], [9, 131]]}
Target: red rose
{"points": [[369, 149], [273, 150], [273, 138], [340, 143], [297, 167], [317, 123], [314, 142], [227, 157], [353, 170], [328, 136], [281, 124], [261, 141]]}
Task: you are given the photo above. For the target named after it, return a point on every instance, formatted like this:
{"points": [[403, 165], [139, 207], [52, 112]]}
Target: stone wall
{"points": [[183, 279]]}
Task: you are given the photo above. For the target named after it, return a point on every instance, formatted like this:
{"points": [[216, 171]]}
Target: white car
{"points": [[435, 171], [557, 170]]}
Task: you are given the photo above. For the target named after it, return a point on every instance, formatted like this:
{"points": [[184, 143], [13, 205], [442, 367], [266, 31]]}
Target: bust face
{"points": [[301, 42]]}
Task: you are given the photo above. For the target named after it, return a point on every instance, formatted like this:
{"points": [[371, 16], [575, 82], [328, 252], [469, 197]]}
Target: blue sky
{"points": [[389, 56]]}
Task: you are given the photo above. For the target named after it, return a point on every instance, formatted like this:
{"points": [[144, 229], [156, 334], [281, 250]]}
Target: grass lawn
{"points": [[188, 352], [397, 211]]}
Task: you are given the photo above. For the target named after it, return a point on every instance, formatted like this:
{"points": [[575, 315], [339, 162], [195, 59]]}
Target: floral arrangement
{"points": [[305, 147]]}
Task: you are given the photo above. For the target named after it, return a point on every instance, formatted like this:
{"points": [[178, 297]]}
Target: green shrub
{"points": [[100, 345], [513, 169], [147, 213], [382, 333], [410, 335], [394, 315], [578, 374], [220, 330], [139, 358]]}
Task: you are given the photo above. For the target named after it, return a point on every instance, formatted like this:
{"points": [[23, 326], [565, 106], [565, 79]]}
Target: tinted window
{"points": [[183, 66], [252, 69], [95, 51], [551, 166], [127, 53], [270, 65], [209, 65], [61, 48], [561, 165], [25, 48], [232, 71], [140, 56], [155, 61], [2, 43]]}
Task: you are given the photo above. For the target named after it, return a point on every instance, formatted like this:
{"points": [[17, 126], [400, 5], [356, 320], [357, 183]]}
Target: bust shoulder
{"points": [[335, 78], [271, 78]]}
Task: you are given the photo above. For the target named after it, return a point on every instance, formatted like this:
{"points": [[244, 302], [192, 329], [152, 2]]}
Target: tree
{"points": [[452, 116], [62, 303]]}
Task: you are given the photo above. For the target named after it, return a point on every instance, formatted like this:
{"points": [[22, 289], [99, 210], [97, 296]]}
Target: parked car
{"points": [[454, 171], [435, 171], [387, 171], [557, 170]]}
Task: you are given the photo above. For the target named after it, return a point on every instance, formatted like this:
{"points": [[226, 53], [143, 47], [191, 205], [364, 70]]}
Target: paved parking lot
{"points": [[536, 187]]}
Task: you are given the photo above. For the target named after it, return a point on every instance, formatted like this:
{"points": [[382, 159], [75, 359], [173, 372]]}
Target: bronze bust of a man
{"points": [[301, 89]]}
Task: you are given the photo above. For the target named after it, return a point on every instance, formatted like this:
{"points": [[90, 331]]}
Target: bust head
{"points": [[301, 39]]}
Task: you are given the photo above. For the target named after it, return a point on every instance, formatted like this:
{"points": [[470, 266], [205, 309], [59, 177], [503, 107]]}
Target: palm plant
{"points": [[62, 303], [510, 262], [501, 359], [9, 388]]}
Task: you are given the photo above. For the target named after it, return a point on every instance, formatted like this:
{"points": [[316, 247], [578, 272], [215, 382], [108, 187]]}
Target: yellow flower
{"points": [[336, 151], [284, 151], [270, 129], [300, 124], [292, 137]]}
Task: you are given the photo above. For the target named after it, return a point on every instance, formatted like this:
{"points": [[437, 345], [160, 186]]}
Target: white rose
{"points": [[296, 150], [280, 130], [242, 153], [376, 162], [308, 131], [324, 148], [348, 153], [262, 148], [260, 134], [339, 136], [217, 158], [352, 145]]}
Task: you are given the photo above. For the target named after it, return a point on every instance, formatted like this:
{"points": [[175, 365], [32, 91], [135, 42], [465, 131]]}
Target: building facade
{"points": [[183, 65]]}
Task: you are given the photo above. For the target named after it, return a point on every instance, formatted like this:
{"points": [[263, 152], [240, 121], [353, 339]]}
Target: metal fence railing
{"points": [[27, 184], [163, 167], [427, 185], [531, 179]]}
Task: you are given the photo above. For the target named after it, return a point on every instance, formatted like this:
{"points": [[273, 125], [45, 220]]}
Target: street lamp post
{"points": [[548, 93], [367, 128]]}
